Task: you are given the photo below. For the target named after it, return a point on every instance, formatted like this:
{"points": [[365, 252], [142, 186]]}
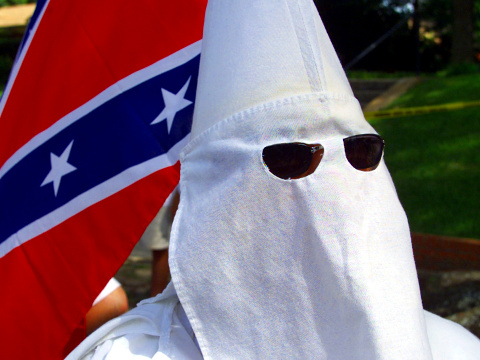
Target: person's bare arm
{"points": [[115, 304]]}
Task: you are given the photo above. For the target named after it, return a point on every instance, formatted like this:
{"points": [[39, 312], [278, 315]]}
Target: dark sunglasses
{"points": [[297, 160]]}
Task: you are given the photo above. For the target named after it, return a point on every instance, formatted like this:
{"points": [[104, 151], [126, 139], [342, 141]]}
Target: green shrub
{"points": [[460, 69], [15, 2], [6, 63]]}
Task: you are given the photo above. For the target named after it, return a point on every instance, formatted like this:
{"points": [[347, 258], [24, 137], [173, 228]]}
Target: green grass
{"points": [[438, 90], [434, 159], [359, 74]]}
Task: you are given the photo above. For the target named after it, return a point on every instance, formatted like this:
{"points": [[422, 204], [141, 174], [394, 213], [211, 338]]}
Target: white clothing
{"points": [[107, 290], [266, 268], [158, 329], [157, 234], [450, 341]]}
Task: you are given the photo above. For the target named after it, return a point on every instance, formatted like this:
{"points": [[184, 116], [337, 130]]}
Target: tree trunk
{"points": [[462, 34]]}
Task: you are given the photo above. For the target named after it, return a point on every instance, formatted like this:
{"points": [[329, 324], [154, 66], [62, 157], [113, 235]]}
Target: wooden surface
{"points": [[442, 253]]}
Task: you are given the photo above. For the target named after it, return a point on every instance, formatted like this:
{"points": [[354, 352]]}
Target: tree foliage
{"points": [[15, 2], [440, 17], [353, 25]]}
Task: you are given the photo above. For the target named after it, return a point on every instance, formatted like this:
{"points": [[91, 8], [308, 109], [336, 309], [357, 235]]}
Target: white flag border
{"points": [[114, 184]]}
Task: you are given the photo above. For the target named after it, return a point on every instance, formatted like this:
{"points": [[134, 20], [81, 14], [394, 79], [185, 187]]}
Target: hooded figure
{"points": [[289, 241]]}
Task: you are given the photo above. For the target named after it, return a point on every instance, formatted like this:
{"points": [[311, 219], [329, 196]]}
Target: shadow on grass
{"points": [[437, 91], [435, 163]]}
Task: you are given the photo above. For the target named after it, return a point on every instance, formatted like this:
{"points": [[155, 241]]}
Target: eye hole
{"points": [[292, 160], [364, 152]]}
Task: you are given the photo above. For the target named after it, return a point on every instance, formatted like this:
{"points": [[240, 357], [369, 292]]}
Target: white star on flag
{"points": [[60, 167], [173, 104]]}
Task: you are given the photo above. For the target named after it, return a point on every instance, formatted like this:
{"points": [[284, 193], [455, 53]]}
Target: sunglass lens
{"points": [[288, 160], [364, 152]]}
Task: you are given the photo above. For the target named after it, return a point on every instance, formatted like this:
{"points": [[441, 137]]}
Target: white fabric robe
{"points": [[314, 268], [158, 329]]}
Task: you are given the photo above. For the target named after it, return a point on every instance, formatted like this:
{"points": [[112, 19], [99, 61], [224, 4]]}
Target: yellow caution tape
{"points": [[420, 110]]}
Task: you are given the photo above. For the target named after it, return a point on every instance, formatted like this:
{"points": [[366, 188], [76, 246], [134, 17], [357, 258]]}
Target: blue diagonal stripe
{"points": [[110, 139]]}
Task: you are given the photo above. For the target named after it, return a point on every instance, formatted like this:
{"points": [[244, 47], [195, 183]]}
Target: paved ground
{"points": [[135, 274], [135, 278], [454, 295]]}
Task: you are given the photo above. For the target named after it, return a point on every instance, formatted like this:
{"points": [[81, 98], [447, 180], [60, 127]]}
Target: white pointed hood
{"points": [[314, 268], [257, 52]]}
